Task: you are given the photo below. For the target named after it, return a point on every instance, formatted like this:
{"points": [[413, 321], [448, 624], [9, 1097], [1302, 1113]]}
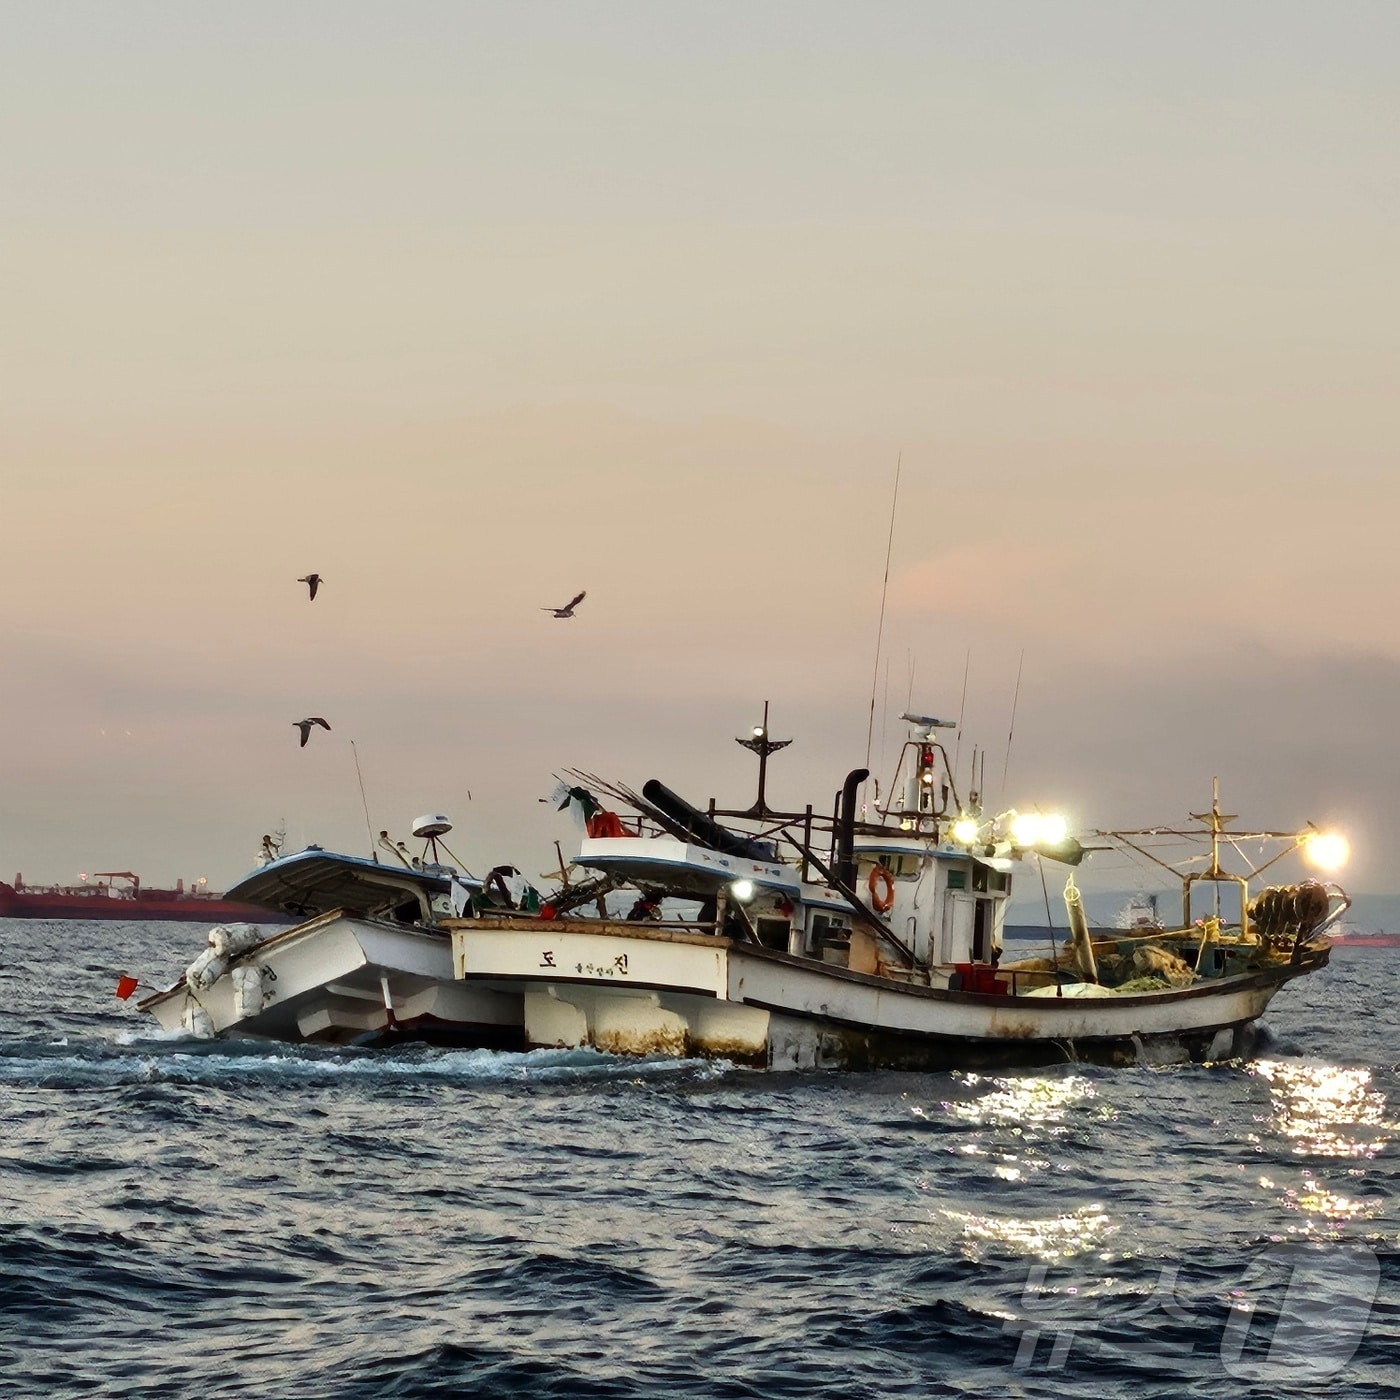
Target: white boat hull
{"points": [[340, 980], [638, 990]]}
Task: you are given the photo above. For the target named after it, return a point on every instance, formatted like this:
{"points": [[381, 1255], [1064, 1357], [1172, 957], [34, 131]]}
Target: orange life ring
{"points": [[881, 884]]}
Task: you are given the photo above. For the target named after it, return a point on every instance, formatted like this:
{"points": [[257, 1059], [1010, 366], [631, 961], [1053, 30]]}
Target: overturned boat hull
{"points": [[342, 979]]}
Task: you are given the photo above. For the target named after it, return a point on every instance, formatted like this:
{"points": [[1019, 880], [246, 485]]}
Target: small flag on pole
{"points": [[125, 986]]}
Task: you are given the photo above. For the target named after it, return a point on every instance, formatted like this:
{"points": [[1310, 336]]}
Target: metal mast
{"points": [[762, 745]]}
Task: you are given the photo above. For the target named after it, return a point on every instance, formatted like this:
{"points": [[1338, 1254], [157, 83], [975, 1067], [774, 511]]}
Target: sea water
{"points": [[183, 1218]]}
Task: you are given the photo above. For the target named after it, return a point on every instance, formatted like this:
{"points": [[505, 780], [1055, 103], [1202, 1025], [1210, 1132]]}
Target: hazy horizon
{"points": [[470, 309]]}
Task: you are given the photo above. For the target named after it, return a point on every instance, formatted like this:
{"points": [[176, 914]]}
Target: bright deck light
{"points": [[1037, 829], [742, 890], [1327, 850], [965, 830]]}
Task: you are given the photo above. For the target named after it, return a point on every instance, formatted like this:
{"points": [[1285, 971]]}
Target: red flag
{"points": [[125, 986]]}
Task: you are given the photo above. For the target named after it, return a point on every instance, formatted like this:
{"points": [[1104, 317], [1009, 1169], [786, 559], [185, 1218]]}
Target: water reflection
{"points": [[1046, 1238], [1326, 1110], [1023, 1102], [1021, 1114]]}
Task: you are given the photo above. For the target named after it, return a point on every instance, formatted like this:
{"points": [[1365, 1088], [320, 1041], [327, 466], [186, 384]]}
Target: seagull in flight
{"points": [[313, 582], [568, 609], [305, 725]]}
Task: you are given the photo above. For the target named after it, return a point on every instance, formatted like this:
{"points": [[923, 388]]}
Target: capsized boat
{"points": [[367, 960], [888, 953]]}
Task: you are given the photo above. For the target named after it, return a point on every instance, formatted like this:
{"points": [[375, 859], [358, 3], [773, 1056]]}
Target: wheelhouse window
{"points": [[985, 880], [902, 865], [823, 929], [772, 933]]}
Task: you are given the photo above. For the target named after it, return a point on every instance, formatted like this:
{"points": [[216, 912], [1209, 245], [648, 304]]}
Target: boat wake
{"points": [[157, 1058]]}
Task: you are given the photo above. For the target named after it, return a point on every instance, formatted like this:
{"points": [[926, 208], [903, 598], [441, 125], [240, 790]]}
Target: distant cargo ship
{"points": [[1355, 939], [103, 899]]}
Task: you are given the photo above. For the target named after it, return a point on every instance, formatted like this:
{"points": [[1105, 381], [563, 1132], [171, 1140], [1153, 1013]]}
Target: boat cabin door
{"points": [[967, 929], [957, 927]]}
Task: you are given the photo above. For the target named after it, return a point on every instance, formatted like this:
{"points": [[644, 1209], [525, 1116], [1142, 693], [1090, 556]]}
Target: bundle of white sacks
{"points": [[226, 942]]}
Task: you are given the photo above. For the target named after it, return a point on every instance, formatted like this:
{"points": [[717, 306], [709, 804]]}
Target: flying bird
{"points": [[305, 725], [568, 609], [313, 582]]}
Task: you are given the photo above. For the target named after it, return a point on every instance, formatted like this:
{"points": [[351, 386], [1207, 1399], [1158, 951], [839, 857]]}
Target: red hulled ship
{"points": [[103, 898], [1354, 938]]}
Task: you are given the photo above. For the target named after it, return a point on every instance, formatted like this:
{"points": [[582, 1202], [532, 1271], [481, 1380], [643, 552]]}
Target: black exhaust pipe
{"points": [[845, 871]]}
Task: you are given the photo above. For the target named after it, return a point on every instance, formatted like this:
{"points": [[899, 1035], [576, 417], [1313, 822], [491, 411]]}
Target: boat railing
{"points": [[581, 924]]}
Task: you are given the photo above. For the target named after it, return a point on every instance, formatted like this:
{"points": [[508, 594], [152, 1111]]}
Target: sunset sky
{"points": [[470, 306]]}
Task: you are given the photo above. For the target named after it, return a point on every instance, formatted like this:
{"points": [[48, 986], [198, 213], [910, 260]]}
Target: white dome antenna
{"points": [[430, 830]]}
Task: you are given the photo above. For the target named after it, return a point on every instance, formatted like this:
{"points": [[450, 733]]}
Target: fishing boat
{"points": [[889, 953], [366, 961], [872, 937]]}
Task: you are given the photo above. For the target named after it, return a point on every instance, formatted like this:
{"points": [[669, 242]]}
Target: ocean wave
{"points": [[181, 1061], [232, 1219]]}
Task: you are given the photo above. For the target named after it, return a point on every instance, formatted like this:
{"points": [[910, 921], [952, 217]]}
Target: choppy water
{"points": [[181, 1219]]}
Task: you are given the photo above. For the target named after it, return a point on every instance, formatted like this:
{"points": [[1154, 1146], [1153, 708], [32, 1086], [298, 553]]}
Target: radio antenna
{"points": [[885, 715], [360, 777], [1010, 732], [880, 629], [962, 713]]}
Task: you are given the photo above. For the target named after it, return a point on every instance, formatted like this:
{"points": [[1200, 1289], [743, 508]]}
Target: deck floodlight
{"points": [[742, 890], [1327, 850], [965, 830], [1038, 829]]}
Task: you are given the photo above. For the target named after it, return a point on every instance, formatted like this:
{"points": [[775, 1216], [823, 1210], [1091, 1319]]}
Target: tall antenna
{"points": [[885, 714], [880, 630], [363, 802], [1007, 765], [962, 713]]}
